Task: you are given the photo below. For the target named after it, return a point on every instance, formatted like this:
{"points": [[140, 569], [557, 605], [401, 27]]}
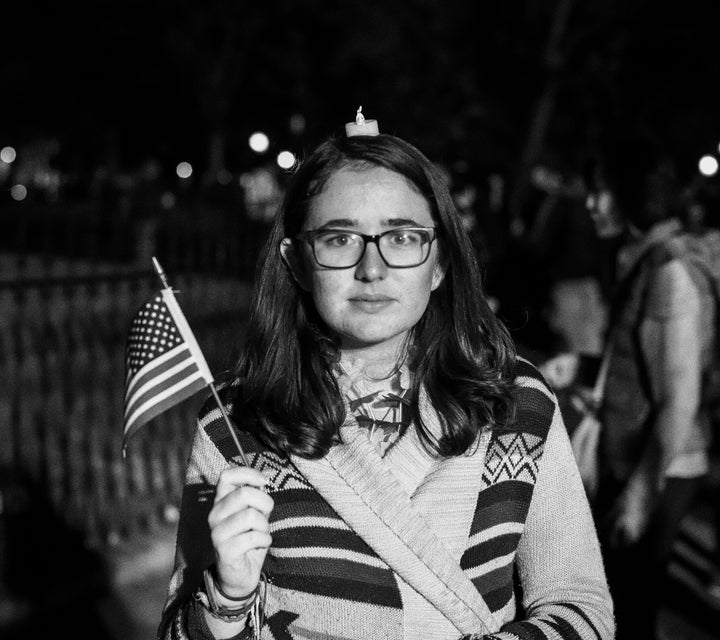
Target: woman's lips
{"points": [[371, 303]]}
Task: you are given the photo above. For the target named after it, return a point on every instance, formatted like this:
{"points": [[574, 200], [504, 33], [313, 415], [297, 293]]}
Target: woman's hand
{"points": [[560, 371], [629, 517], [240, 529]]}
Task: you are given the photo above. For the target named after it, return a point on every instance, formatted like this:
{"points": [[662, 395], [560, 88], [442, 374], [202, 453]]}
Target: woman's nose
{"points": [[371, 266]]}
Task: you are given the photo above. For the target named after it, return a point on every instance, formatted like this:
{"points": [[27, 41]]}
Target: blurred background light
{"points": [[297, 124], [259, 142], [18, 192], [184, 170], [708, 165], [286, 159], [168, 200], [7, 154], [224, 177]]}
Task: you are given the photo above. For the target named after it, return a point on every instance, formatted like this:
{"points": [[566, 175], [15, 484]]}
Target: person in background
{"points": [[654, 443], [563, 242], [409, 475]]}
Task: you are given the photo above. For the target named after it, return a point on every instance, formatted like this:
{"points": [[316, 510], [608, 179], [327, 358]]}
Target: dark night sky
{"points": [[459, 77]]}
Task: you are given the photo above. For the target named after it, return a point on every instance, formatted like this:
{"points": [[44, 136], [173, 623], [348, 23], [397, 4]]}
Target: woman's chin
{"points": [[373, 343]]}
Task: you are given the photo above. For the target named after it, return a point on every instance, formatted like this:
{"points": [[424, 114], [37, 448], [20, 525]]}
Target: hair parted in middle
{"points": [[285, 391]]}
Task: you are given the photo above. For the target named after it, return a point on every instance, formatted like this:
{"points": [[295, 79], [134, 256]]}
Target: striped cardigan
{"points": [[499, 543]]}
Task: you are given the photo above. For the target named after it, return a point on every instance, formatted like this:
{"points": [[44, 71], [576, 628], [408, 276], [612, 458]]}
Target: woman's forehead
{"points": [[356, 194]]}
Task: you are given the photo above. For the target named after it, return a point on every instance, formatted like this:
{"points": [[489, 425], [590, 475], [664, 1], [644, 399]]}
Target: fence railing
{"points": [[84, 239], [63, 329]]}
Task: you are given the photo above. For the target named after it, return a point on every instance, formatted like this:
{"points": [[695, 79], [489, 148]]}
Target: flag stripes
{"points": [[186, 333], [163, 362], [174, 396], [163, 389], [145, 378]]}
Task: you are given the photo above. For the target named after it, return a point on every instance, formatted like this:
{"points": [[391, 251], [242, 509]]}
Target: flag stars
{"points": [[152, 334]]}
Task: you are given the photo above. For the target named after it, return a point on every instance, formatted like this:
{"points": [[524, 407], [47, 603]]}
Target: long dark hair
{"points": [[286, 393]]}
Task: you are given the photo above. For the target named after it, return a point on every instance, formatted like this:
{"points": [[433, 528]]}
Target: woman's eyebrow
{"points": [[339, 222], [353, 222], [402, 222]]}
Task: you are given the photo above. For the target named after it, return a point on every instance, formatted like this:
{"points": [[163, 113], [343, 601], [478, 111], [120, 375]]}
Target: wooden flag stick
{"points": [[163, 278], [221, 406], [161, 273]]}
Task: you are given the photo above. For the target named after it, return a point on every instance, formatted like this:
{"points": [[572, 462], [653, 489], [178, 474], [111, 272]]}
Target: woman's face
{"points": [[371, 306]]}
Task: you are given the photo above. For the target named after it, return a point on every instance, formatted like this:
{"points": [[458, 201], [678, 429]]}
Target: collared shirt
{"points": [[378, 404]]}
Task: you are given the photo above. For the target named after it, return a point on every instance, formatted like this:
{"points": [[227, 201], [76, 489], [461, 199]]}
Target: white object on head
{"points": [[361, 126]]}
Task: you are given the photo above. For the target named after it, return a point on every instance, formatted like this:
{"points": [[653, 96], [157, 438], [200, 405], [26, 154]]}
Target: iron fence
{"points": [[64, 319]]}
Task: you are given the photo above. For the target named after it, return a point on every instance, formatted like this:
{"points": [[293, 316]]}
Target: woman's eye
{"points": [[337, 239], [403, 237]]}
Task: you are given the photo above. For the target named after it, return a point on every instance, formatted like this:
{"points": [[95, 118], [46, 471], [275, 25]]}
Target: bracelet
{"points": [[212, 578], [206, 597]]}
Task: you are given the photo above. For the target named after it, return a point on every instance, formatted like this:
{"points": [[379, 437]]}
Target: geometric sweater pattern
{"points": [[511, 469], [329, 576]]}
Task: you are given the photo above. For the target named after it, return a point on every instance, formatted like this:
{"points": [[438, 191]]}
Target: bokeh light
{"points": [[7, 154], [286, 159], [297, 124], [259, 142], [708, 165], [184, 170], [167, 200], [18, 192], [224, 177]]}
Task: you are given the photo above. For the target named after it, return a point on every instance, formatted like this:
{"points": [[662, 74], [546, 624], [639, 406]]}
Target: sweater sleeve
{"points": [[182, 617], [562, 578]]}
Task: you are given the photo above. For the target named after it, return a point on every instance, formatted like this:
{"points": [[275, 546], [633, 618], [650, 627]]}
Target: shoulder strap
{"points": [[702, 251], [599, 386], [654, 254]]}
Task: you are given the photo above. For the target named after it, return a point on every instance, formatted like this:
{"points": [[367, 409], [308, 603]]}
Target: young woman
{"points": [[409, 476]]}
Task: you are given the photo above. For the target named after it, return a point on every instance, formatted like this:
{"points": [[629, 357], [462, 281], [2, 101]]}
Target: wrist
{"points": [[221, 605], [221, 594]]}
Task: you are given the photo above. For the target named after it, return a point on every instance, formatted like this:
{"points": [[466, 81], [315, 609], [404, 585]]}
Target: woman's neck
{"points": [[378, 368], [374, 364]]}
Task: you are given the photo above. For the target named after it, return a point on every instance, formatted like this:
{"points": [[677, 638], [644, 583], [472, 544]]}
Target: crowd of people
{"points": [[399, 467]]}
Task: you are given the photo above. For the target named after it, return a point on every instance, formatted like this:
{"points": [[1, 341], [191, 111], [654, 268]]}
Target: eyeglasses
{"points": [[400, 248]]}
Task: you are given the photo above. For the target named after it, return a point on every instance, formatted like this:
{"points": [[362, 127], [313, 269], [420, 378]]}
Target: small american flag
{"points": [[163, 362]]}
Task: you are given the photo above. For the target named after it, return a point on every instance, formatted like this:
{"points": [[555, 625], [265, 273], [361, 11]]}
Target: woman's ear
{"points": [[438, 276], [293, 258]]}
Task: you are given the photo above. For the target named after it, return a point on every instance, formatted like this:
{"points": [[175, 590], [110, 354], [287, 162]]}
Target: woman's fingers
{"points": [[234, 477], [238, 499], [245, 543], [241, 510], [240, 527], [226, 525]]}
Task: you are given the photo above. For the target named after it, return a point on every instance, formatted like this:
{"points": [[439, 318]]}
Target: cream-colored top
{"points": [[376, 394]]}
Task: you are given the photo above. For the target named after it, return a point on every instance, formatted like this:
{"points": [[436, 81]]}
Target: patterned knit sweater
{"points": [[498, 543]]}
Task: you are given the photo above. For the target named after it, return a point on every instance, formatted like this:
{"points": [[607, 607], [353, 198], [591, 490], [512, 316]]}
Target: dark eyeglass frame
{"points": [[310, 235]]}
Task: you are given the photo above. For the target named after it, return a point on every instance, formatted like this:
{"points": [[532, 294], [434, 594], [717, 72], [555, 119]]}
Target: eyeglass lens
{"points": [[398, 247]]}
